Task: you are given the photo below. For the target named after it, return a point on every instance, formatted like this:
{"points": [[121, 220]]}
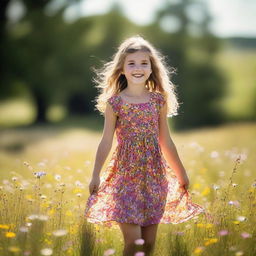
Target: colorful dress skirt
{"points": [[138, 186]]}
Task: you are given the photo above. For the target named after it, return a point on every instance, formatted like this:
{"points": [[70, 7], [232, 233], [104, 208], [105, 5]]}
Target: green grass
{"points": [[209, 155]]}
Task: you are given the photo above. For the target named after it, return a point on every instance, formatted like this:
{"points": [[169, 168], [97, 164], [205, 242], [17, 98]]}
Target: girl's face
{"points": [[137, 67]]}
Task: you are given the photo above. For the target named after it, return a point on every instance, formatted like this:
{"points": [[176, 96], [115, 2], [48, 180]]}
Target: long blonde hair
{"points": [[110, 81]]}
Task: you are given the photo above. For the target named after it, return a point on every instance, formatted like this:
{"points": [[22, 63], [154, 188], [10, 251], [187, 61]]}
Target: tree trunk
{"points": [[41, 108]]}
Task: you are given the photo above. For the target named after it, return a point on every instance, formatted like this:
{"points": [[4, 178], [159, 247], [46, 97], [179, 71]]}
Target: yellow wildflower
{"points": [[70, 250], [45, 204], [47, 241], [196, 186], [28, 196], [208, 225], [236, 222], [51, 212], [10, 234], [198, 250], [14, 249], [77, 190], [211, 241], [206, 191], [200, 225], [3, 226], [69, 213]]}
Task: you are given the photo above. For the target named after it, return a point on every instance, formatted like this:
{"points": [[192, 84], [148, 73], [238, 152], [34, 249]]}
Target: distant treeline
{"points": [[53, 59], [241, 42]]}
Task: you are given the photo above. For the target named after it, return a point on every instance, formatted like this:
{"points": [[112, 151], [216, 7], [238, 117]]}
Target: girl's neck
{"points": [[135, 92]]}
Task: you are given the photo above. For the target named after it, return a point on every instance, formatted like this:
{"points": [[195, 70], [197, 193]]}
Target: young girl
{"points": [[145, 182]]}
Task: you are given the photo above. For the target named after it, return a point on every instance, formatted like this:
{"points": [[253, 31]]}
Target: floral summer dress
{"points": [[138, 186]]}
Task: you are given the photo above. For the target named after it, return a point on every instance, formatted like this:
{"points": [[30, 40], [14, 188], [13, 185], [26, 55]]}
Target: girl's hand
{"points": [[94, 184], [184, 182]]}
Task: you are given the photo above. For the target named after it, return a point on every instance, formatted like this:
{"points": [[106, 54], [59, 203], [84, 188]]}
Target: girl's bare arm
{"points": [[168, 148], [106, 140]]}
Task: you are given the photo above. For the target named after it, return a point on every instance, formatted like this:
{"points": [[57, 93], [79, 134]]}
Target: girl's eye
{"points": [[130, 64], [144, 63]]}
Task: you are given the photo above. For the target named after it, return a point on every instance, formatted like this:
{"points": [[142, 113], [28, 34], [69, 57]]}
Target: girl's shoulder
{"points": [[113, 97], [158, 95], [114, 101]]}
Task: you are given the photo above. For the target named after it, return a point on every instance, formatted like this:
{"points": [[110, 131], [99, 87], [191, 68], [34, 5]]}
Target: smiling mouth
{"points": [[138, 76]]}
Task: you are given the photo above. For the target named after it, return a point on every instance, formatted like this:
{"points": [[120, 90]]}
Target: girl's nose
{"points": [[137, 67]]}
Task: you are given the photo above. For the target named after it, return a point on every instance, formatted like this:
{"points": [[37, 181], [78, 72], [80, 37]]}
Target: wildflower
{"points": [[216, 187], [39, 217], [232, 248], [46, 251], [10, 234], [14, 178], [254, 185], [47, 241], [234, 184], [208, 225], [60, 232], [23, 229], [206, 191], [245, 235], [77, 190], [241, 218], [239, 253], [109, 252], [214, 154], [43, 217], [39, 174], [223, 232], [78, 183], [14, 249], [236, 222], [27, 253], [57, 177], [199, 250], [3, 226], [196, 186], [69, 213], [139, 254], [139, 241], [236, 203], [211, 241]]}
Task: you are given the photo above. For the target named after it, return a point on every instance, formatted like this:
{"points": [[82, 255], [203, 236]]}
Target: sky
{"points": [[229, 17]]}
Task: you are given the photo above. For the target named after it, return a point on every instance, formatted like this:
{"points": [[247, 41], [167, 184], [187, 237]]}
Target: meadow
{"points": [[46, 170]]}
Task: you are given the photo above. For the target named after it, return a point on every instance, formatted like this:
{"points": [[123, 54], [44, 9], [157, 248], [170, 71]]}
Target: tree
{"points": [[200, 84]]}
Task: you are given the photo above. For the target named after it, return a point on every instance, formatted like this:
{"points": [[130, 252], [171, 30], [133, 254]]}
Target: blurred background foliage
{"points": [[46, 63]]}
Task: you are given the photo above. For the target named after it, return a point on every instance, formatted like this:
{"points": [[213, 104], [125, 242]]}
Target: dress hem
{"points": [[109, 222]]}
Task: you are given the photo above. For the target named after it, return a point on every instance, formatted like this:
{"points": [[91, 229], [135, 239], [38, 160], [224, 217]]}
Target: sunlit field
{"points": [[44, 178]]}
